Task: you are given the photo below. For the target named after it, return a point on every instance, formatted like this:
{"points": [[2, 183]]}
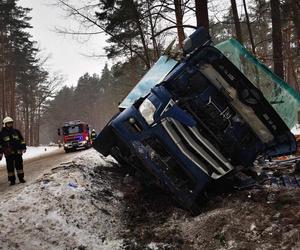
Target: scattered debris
{"points": [[73, 185]]}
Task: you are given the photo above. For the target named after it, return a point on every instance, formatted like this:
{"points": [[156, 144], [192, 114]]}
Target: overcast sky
{"points": [[66, 53]]}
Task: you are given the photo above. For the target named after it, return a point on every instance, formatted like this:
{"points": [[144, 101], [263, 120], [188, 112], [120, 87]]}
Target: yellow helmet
{"points": [[7, 119]]}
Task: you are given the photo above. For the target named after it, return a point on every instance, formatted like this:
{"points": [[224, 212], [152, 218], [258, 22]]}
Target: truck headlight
{"points": [[147, 110]]}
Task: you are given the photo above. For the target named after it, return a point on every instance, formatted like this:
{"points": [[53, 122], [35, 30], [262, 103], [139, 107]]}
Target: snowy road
{"points": [[34, 167]]}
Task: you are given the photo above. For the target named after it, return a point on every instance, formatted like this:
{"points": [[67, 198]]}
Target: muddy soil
{"points": [[263, 218]]}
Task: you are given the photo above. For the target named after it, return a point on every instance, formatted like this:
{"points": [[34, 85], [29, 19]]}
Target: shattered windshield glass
{"points": [[283, 98]]}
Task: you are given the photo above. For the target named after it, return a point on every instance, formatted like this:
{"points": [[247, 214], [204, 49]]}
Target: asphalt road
{"points": [[33, 168]]}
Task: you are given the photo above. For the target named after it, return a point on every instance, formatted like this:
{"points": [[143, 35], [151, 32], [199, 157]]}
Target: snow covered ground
{"points": [[34, 152], [296, 129], [58, 211]]}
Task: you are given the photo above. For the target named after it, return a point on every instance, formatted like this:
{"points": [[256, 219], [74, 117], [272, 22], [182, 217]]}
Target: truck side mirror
{"points": [[58, 131]]}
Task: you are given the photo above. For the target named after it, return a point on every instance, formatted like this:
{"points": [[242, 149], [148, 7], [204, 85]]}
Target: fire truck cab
{"points": [[76, 134]]}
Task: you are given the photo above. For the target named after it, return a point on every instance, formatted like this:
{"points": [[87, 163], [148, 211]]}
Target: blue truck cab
{"points": [[192, 121]]}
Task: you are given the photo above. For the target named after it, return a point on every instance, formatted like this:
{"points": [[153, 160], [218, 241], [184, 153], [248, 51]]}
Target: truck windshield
{"points": [[72, 129], [154, 76]]}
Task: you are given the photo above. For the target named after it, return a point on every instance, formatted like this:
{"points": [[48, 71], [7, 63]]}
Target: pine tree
{"points": [[24, 84], [124, 21], [16, 50]]}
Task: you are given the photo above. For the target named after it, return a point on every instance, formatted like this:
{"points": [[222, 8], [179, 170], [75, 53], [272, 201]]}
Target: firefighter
{"points": [[12, 145], [93, 135]]}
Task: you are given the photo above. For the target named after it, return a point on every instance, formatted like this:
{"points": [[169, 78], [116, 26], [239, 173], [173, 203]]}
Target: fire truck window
{"points": [[72, 129]]}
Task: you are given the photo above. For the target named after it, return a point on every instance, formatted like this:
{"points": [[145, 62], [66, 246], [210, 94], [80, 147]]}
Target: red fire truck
{"points": [[76, 134]]}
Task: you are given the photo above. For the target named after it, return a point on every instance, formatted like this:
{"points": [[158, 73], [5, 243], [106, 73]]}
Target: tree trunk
{"points": [[1, 95], [290, 69], [37, 128], [141, 32], [31, 129], [4, 92], [10, 94], [179, 23], [3, 68], [237, 24], [154, 43], [133, 71], [249, 27], [26, 123], [296, 21], [202, 13], [277, 38]]}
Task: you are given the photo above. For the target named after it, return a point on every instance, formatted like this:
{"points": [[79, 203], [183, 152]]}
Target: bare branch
{"points": [[66, 32], [175, 27], [78, 13]]}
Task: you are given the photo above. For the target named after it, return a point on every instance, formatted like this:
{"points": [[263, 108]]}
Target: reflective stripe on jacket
{"points": [[11, 141]]}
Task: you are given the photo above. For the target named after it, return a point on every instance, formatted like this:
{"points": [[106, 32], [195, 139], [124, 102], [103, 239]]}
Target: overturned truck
{"points": [[192, 121]]}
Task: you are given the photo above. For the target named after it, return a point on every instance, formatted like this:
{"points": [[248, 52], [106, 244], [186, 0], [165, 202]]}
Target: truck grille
{"points": [[197, 148], [169, 165], [72, 140]]}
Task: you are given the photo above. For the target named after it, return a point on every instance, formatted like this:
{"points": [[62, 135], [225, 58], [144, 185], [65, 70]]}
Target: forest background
{"points": [[138, 32]]}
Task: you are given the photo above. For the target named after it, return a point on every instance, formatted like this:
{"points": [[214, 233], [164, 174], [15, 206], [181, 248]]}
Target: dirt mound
{"points": [[61, 211], [265, 218]]}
